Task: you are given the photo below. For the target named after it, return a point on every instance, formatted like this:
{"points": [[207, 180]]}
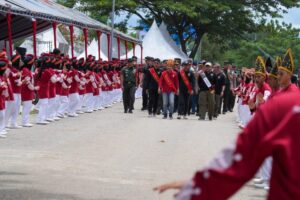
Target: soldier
{"points": [[149, 63], [206, 82], [151, 81], [227, 68], [186, 86], [129, 85]]}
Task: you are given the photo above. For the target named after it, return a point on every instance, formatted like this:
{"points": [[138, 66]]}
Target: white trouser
{"points": [[104, 98], [9, 109], [16, 109], [119, 95], [26, 112], [42, 105], [110, 97], [100, 99], [2, 122], [51, 108], [266, 168], [57, 104], [89, 102], [96, 102], [81, 103], [63, 105], [73, 103], [239, 110], [245, 115]]}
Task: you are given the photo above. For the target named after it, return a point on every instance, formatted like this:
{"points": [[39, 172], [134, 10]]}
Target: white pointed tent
{"points": [[45, 42], [163, 29], [156, 45], [93, 48]]}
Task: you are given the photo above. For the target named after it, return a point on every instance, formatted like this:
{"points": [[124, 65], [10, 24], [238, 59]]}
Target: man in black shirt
{"points": [[219, 89], [151, 81], [206, 84], [186, 86], [149, 63]]}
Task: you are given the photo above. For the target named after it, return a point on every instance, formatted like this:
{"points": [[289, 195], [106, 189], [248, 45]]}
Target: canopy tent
{"points": [[156, 45], [163, 29], [93, 48], [45, 42], [21, 19]]}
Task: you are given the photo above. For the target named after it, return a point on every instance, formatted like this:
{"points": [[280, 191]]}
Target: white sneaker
{"points": [[80, 112], [101, 108], [258, 181], [88, 111], [50, 120], [261, 185], [185, 117], [56, 118], [42, 123], [2, 135], [27, 125], [15, 127]]}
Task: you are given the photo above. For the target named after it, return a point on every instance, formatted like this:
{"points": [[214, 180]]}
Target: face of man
{"points": [[208, 68], [284, 78], [259, 79], [187, 67], [169, 67], [273, 82], [217, 69], [156, 64]]}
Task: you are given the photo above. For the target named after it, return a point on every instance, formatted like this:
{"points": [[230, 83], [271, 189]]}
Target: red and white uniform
{"points": [[27, 95], [74, 99], [3, 95], [274, 131]]}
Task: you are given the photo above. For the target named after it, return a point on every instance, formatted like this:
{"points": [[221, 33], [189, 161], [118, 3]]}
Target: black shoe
{"points": [[179, 117], [224, 112], [165, 117], [158, 113], [125, 111], [130, 111], [230, 110], [171, 116], [210, 118]]}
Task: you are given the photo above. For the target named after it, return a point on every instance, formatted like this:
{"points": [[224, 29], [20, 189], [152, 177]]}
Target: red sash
{"points": [[154, 74], [168, 81], [186, 81]]}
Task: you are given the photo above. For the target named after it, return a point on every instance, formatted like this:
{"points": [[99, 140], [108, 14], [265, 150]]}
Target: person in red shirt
{"points": [[263, 90], [82, 86], [43, 78], [65, 82], [74, 99], [3, 95], [274, 131], [27, 90], [168, 86], [14, 76], [285, 73], [90, 87]]}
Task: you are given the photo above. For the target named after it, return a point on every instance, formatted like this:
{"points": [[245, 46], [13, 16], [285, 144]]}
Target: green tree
{"points": [[219, 18]]}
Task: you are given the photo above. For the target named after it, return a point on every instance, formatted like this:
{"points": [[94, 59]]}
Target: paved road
{"points": [[109, 155]]}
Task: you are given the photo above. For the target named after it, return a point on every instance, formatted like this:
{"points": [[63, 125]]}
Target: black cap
{"points": [[56, 51], [134, 58], [157, 60], [21, 51], [185, 63], [130, 60]]}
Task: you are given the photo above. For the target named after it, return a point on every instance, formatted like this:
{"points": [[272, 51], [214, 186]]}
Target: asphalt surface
{"points": [[109, 155]]}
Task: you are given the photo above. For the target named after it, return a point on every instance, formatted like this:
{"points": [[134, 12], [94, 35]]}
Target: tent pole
{"points": [[126, 49], [141, 53], [133, 47], [71, 27], [85, 32], [108, 46], [99, 44], [8, 19], [119, 48], [54, 26], [34, 37]]}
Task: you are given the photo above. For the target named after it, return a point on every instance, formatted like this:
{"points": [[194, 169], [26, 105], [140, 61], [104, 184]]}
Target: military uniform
{"points": [[129, 87]]}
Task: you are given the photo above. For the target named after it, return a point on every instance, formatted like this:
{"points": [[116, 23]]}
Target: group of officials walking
{"points": [[188, 88]]}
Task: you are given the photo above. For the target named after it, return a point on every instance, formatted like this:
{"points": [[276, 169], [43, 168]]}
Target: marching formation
{"points": [[56, 85], [188, 88]]}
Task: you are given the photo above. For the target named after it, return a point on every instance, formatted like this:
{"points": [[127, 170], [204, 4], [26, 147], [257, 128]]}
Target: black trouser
{"points": [[153, 101], [159, 104], [218, 100], [128, 97], [183, 103], [145, 98], [231, 101], [226, 98], [175, 103]]}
